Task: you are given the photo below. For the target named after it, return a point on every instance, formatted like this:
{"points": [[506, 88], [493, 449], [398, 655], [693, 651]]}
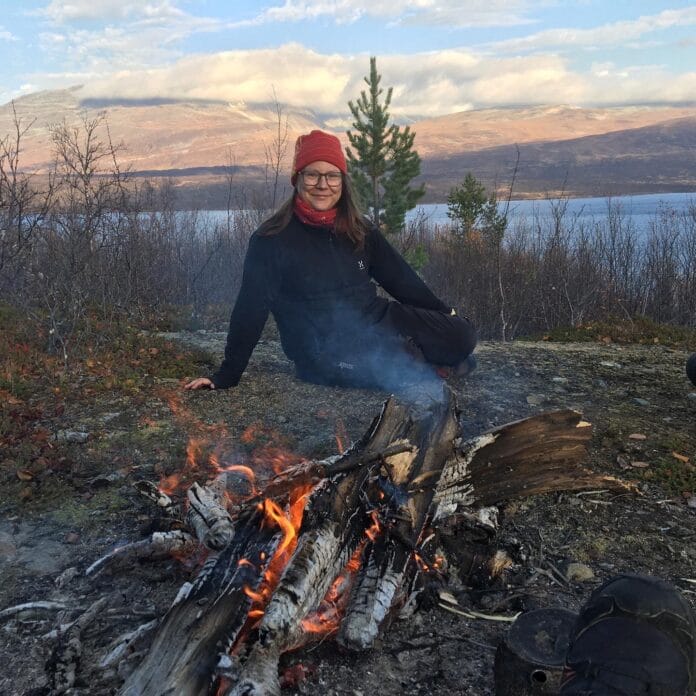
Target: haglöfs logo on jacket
{"points": [[361, 265]]}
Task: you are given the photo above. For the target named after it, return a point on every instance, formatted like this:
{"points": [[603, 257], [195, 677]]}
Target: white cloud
{"points": [[6, 35], [62, 11], [301, 77], [612, 35], [140, 35], [425, 84], [459, 13]]}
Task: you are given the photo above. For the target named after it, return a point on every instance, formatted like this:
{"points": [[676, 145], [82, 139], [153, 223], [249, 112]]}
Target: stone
{"points": [[77, 436], [641, 402], [8, 550], [579, 572], [44, 557], [536, 399], [622, 461]]}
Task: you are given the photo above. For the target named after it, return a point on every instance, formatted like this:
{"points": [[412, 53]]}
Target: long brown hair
{"points": [[349, 218]]}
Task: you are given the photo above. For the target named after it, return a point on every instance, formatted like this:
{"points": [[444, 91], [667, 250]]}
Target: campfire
{"points": [[334, 548]]}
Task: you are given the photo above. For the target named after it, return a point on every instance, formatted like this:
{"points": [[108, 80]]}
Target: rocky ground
{"points": [[637, 397]]}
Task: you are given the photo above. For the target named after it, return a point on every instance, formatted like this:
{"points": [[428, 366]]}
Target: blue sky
{"points": [[440, 57]]}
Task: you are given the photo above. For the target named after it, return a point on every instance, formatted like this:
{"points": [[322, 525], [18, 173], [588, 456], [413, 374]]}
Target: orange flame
{"points": [[422, 565], [240, 468], [374, 530], [341, 435], [250, 434], [201, 433], [273, 459], [193, 452], [289, 523], [169, 484]]}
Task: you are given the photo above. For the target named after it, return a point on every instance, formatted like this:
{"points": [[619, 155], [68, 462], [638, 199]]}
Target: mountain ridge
{"points": [[562, 147]]}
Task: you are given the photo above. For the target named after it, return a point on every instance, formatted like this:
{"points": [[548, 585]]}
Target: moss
{"points": [[80, 513], [639, 330], [676, 476], [597, 548]]}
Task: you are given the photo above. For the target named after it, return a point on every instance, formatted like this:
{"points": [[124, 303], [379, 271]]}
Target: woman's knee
{"points": [[465, 336]]}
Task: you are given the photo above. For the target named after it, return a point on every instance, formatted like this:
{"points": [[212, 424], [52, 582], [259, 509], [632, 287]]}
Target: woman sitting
{"points": [[315, 265]]}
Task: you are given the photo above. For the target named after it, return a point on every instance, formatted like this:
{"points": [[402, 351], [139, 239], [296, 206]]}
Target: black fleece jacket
{"points": [[321, 291]]}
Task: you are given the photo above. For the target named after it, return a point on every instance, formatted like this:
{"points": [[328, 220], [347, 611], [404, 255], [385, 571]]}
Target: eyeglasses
{"points": [[312, 178]]}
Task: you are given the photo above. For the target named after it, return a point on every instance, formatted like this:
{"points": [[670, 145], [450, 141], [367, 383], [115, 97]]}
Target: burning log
{"points": [[338, 546], [324, 551], [333, 530], [208, 516], [410, 484], [206, 617]]}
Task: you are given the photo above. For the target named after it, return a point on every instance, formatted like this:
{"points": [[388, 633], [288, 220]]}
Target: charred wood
{"points": [[127, 644], [392, 564], [65, 659], [536, 455], [32, 609], [160, 545], [205, 619]]}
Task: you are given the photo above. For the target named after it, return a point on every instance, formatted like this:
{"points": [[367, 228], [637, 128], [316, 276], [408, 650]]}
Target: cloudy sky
{"points": [[440, 56]]}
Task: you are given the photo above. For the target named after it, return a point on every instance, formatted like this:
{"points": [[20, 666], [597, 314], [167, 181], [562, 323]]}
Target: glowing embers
{"points": [[437, 565], [326, 620]]}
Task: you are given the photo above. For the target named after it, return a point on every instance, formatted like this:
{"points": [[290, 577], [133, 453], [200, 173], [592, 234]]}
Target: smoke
{"points": [[352, 352]]}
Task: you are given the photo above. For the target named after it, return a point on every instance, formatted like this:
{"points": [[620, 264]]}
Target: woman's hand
{"points": [[200, 383]]}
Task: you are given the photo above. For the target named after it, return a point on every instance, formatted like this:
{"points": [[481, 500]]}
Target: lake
{"points": [[640, 209]]}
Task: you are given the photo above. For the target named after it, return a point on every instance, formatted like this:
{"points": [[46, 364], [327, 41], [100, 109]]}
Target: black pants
{"points": [[444, 339], [397, 351]]}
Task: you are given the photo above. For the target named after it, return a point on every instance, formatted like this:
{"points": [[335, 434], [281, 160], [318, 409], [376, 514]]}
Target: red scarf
{"points": [[314, 218]]}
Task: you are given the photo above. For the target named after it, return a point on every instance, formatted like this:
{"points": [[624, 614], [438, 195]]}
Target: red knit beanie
{"points": [[314, 147]]}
